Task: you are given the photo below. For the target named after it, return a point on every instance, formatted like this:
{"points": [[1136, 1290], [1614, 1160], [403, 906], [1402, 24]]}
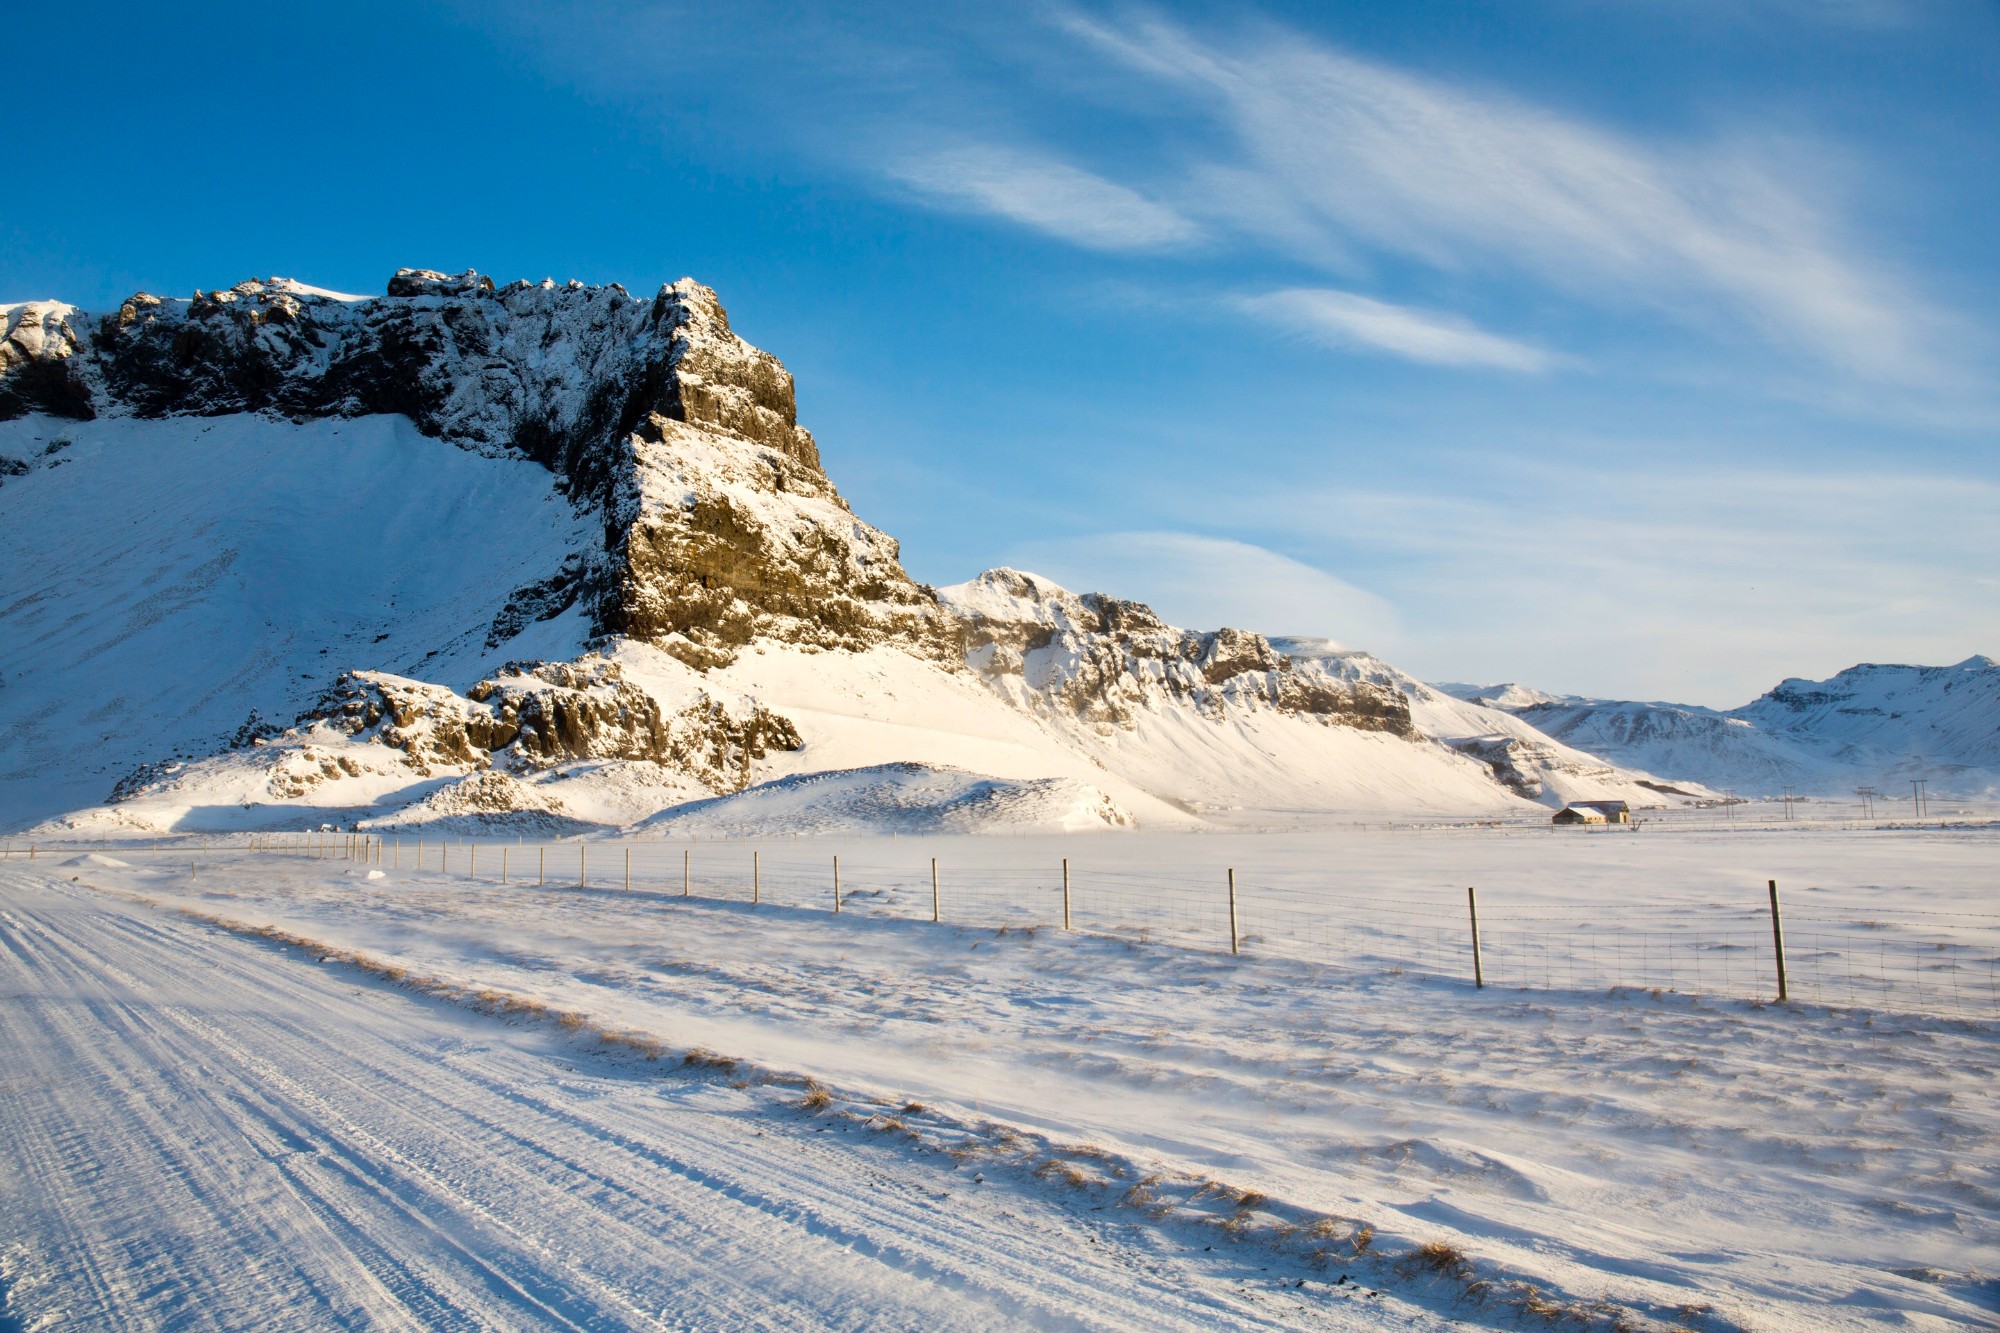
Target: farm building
{"points": [[1594, 812]]}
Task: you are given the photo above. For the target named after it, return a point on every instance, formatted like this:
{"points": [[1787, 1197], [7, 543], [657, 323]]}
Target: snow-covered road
{"points": [[202, 1130]]}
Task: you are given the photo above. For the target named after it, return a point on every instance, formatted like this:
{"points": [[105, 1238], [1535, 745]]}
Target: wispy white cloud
{"points": [[1331, 151], [1208, 582], [1343, 319], [1048, 195]]}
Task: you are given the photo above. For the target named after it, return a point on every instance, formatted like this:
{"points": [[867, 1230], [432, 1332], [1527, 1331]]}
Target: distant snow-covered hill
{"points": [[1871, 724], [562, 557]]}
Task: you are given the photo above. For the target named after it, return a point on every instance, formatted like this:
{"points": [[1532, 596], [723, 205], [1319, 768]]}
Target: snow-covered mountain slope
{"points": [[1520, 755], [562, 556], [1868, 725], [169, 584], [1229, 723], [677, 438]]}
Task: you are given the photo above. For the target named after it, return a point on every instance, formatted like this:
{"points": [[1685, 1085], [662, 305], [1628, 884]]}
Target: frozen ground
{"points": [[1707, 1161], [204, 1131]]}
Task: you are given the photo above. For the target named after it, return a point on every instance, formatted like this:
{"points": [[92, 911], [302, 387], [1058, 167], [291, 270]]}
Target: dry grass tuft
{"points": [[1363, 1237], [913, 1108], [1066, 1173], [1531, 1301], [700, 1058], [817, 1098], [1440, 1257], [887, 1125], [639, 1042], [571, 1022]]}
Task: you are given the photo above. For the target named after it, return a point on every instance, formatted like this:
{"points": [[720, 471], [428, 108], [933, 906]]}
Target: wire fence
{"points": [[1744, 943]]}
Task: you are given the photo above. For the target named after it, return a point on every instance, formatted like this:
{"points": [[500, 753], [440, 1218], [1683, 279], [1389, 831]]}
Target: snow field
{"points": [[1788, 1166], [172, 577], [1876, 918], [210, 1132]]}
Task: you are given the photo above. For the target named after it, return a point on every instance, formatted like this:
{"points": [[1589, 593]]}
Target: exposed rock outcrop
{"points": [[540, 715], [1105, 660], [719, 524]]}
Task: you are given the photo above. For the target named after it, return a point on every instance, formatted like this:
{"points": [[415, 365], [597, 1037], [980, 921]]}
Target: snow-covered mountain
{"points": [[1519, 755], [562, 556], [1868, 725]]}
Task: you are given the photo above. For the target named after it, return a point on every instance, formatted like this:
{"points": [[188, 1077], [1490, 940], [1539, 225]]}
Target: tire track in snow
{"points": [[504, 1143], [413, 1177], [137, 1257]]}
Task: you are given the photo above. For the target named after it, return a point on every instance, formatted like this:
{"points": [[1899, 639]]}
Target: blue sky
{"points": [[1639, 348]]}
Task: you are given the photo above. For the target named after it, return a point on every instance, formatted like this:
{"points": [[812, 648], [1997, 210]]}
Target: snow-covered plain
{"points": [[1703, 1160]]}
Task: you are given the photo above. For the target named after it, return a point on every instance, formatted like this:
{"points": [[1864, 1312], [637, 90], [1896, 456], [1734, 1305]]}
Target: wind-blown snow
{"points": [[204, 1131], [1708, 1161], [169, 579]]}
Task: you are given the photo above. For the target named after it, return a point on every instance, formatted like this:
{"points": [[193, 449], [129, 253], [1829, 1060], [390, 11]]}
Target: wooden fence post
{"points": [[1232, 910], [1065, 893], [1778, 943], [686, 853], [582, 863], [836, 886], [1472, 905], [936, 914], [472, 861], [504, 849], [628, 868], [756, 880], [541, 866]]}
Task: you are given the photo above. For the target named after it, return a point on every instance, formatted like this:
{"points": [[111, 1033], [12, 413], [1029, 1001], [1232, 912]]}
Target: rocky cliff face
{"points": [[719, 524], [703, 525], [543, 714], [1104, 661], [528, 719]]}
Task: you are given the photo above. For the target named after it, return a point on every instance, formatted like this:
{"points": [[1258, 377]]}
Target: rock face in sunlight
{"points": [[719, 524], [1105, 660], [563, 553]]}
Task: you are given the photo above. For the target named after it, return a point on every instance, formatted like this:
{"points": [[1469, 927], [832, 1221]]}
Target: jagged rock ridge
{"points": [[719, 524], [1105, 660], [703, 525]]}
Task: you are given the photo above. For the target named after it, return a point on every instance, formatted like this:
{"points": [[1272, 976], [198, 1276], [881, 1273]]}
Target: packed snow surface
{"points": [[1698, 1158], [274, 1144]]}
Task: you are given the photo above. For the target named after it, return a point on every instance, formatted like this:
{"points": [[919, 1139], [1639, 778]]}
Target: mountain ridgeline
{"points": [[702, 528]]}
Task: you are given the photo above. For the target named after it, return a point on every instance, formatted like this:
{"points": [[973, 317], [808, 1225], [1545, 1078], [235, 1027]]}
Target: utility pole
{"points": [[1917, 796], [1867, 795]]}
